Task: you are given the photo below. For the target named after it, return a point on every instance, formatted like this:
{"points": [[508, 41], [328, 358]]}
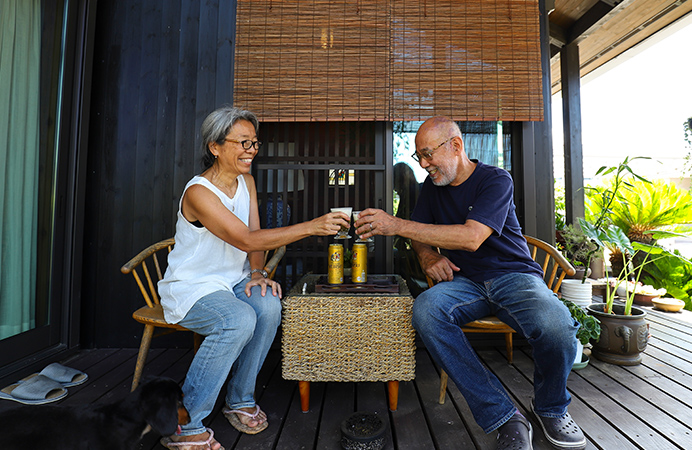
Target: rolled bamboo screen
{"points": [[346, 60]]}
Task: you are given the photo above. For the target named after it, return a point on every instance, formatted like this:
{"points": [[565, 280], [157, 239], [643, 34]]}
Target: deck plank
{"points": [[625, 407], [444, 420]]}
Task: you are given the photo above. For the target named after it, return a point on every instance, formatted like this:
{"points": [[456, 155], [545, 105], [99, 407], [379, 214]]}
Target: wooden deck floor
{"points": [[647, 406]]}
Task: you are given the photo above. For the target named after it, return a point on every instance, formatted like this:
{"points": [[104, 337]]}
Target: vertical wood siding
{"points": [[159, 68]]}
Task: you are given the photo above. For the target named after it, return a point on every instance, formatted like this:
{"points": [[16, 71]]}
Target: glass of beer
{"points": [[356, 215], [343, 232]]}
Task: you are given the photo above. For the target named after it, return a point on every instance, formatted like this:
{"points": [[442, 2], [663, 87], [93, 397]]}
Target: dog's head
{"points": [[161, 403]]}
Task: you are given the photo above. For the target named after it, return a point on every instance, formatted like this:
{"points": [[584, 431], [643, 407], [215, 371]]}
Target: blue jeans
{"points": [[526, 304], [238, 334]]}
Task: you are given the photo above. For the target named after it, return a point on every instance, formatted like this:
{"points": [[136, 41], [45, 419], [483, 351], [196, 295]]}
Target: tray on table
{"points": [[375, 284]]}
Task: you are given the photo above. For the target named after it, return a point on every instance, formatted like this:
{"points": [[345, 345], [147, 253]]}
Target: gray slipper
{"points": [[36, 390], [67, 376]]}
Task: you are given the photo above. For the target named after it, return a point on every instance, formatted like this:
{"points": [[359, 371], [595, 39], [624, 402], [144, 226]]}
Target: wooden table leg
{"points": [[304, 388], [393, 388]]}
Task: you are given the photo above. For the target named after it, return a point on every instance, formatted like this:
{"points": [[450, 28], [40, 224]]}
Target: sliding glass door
{"points": [[34, 216]]}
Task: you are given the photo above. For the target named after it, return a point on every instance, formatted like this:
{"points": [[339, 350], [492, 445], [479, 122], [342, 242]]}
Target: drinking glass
{"points": [[343, 232], [356, 215]]}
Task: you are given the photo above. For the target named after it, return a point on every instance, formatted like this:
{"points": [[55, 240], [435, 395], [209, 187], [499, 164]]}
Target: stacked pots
{"points": [[576, 291]]}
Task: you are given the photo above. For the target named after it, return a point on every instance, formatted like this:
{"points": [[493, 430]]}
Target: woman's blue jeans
{"points": [[238, 332], [526, 304]]}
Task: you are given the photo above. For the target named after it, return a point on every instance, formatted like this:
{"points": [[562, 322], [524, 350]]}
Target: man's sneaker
{"points": [[515, 434], [563, 432]]}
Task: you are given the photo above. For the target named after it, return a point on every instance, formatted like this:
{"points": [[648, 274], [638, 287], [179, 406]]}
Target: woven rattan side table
{"points": [[347, 337]]}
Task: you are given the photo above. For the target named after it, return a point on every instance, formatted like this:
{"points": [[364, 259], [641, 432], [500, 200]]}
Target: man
{"points": [[466, 208]]}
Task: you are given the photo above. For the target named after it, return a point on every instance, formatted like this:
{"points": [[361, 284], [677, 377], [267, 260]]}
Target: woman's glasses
{"points": [[247, 144]]}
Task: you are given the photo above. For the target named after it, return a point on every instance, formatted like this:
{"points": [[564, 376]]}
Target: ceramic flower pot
{"points": [[581, 360], [577, 292], [623, 338]]}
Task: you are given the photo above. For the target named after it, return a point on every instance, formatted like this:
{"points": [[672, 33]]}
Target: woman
{"points": [[215, 285]]}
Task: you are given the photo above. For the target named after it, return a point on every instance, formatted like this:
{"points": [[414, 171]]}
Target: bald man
{"points": [[466, 208]]}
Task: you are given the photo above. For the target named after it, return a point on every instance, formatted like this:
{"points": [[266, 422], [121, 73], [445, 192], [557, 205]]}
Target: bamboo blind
{"points": [[345, 60]]}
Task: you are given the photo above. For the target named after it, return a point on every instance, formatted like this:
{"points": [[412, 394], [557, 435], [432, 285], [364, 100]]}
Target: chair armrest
{"points": [[273, 263]]}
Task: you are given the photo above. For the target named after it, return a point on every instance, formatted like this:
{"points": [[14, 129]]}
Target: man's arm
{"points": [[468, 236]]}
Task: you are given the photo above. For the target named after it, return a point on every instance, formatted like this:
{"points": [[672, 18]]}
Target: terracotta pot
{"points": [[644, 299], [623, 338]]}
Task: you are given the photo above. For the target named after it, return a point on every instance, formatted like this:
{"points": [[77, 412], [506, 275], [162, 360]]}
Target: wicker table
{"points": [[347, 337]]}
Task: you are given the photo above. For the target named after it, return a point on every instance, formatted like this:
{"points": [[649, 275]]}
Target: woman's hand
{"points": [[259, 280], [330, 223]]}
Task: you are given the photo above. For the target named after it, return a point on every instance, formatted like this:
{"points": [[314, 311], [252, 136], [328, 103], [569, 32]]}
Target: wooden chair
{"points": [[151, 315], [555, 268]]}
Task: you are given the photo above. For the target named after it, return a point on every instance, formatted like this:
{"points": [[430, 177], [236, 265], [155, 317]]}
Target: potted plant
{"points": [[589, 330], [578, 248], [625, 332], [600, 228]]}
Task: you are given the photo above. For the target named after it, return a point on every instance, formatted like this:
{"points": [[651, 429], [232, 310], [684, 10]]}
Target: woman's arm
{"points": [[199, 203]]}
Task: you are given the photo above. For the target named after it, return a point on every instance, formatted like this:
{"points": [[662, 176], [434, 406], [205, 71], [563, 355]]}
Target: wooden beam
{"points": [[558, 36], [592, 19], [537, 155], [571, 125]]}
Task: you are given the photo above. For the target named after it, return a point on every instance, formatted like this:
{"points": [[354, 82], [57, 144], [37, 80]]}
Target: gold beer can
{"points": [[335, 273], [359, 264]]}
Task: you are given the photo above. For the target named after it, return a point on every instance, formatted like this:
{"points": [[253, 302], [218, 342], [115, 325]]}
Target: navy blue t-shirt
{"points": [[486, 197]]}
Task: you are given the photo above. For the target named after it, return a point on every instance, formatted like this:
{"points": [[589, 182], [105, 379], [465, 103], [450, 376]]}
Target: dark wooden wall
{"points": [[159, 68]]}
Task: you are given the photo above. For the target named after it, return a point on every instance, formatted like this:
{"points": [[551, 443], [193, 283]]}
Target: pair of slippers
{"points": [[47, 386]]}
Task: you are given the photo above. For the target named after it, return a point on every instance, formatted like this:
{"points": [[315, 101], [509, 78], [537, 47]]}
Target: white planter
{"points": [[577, 292], [580, 351]]}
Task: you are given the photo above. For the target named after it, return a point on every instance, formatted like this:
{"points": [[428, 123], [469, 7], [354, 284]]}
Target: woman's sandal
{"points": [[190, 445], [234, 420]]}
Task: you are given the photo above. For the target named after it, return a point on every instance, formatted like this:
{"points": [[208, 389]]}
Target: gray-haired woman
{"points": [[214, 284]]}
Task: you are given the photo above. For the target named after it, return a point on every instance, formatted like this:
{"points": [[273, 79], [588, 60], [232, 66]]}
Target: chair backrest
{"points": [[141, 262], [150, 256], [552, 261]]}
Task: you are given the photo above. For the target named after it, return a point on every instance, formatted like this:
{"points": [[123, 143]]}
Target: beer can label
{"points": [[335, 273], [359, 263]]}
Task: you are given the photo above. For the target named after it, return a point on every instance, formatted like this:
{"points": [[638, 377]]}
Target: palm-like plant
{"points": [[641, 207], [644, 207]]}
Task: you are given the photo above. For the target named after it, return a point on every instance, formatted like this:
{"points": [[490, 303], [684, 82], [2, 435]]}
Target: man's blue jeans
{"points": [[526, 304], [238, 330]]}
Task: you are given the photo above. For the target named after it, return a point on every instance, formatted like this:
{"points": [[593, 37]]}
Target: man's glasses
{"points": [[247, 144], [428, 154]]}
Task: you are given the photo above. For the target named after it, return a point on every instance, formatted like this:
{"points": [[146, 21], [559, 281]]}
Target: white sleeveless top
{"points": [[200, 262]]}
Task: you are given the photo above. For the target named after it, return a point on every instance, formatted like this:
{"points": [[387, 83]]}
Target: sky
{"points": [[635, 105]]}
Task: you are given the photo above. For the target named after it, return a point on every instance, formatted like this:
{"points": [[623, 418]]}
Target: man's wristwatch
{"points": [[261, 271]]}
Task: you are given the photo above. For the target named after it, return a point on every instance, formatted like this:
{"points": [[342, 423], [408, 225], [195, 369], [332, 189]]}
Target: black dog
{"points": [[156, 404]]}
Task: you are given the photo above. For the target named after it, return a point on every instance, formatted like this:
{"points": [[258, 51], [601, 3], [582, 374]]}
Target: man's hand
{"points": [[437, 266], [372, 222]]}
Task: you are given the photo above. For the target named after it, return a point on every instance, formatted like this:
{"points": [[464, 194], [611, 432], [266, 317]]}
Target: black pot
{"points": [[363, 431], [579, 274], [623, 338]]}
